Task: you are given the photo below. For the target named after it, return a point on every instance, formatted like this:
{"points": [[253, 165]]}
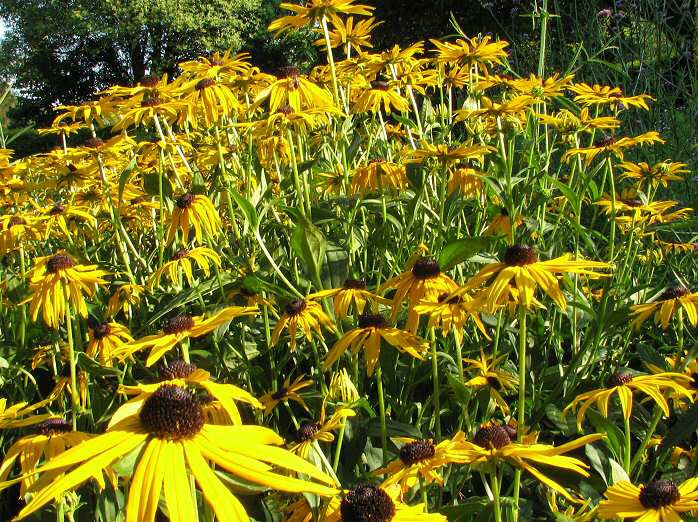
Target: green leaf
{"points": [[246, 207], [682, 431], [459, 250], [125, 176], [395, 429], [465, 509], [309, 243], [93, 367]]}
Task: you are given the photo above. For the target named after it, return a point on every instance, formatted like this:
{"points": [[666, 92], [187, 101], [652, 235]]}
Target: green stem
{"points": [[522, 402], [381, 405], [338, 449], [648, 437], [74, 397], [495, 492], [435, 378]]}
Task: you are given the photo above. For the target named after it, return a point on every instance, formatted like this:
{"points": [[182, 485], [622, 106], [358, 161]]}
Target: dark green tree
{"points": [[63, 51]]}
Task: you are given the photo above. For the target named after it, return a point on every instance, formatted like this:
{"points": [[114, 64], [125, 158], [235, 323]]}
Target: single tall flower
{"points": [[314, 11], [671, 301], [105, 339], [305, 313], [181, 261], [197, 211], [521, 266], [489, 377], [310, 431], [289, 390], [373, 328], [58, 280], [353, 292], [176, 443]]}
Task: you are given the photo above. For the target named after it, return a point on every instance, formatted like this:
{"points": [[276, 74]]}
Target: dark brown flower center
{"points": [[178, 324], [494, 383], [138, 200], [100, 331], [633, 202], [307, 431], [426, 268], [694, 380], [606, 141], [492, 436], [172, 413], [620, 379], [450, 299], [177, 370], [205, 84], [367, 320], [355, 284], [279, 394], [152, 101], [674, 292], [520, 255], [290, 71], [53, 427], [57, 210], [367, 503], [94, 143], [16, 220], [180, 254], [150, 80], [286, 110], [417, 451], [59, 262], [658, 494], [380, 85], [295, 307], [185, 200]]}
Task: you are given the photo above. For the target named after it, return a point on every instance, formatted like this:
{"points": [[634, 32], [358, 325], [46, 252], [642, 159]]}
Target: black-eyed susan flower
{"points": [[16, 228], [423, 281], [194, 211], [378, 175], [22, 414], [659, 174], [667, 305], [125, 298], [448, 155], [176, 442], [314, 11], [51, 438], [488, 376], [105, 339], [467, 180], [181, 262], [451, 312], [422, 458], [60, 216], [188, 376], [342, 388], [288, 391], [181, 327], [309, 432], [624, 384], [350, 35], [295, 90], [57, 281], [493, 444], [502, 224], [611, 145], [370, 331], [353, 294], [656, 501], [379, 94], [477, 50], [521, 266], [600, 95], [210, 98], [303, 313]]}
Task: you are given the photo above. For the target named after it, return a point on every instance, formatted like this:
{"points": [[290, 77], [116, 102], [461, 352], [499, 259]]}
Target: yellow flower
{"points": [[569, 123], [52, 437], [187, 376], [423, 281], [451, 312], [624, 384], [210, 98], [315, 11], [489, 108], [542, 88], [489, 377], [179, 328], [294, 90], [501, 224], [468, 180], [371, 330], [380, 93], [611, 145], [342, 389], [659, 174], [353, 292], [16, 229], [105, 339], [597, 95], [56, 281], [346, 33], [669, 302], [172, 442], [182, 262], [125, 297], [521, 266], [289, 390], [305, 313], [421, 459], [379, 175], [471, 51], [197, 211], [446, 155], [309, 432], [657, 501], [493, 444], [17, 416]]}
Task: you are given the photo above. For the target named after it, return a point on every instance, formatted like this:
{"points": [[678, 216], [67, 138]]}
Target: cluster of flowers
{"points": [[209, 198]]}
